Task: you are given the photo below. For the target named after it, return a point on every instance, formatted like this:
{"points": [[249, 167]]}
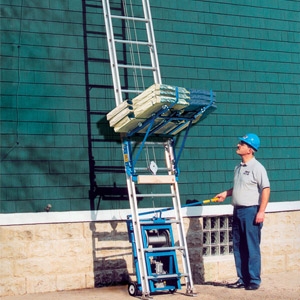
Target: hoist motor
{"points": [[160, 256]]}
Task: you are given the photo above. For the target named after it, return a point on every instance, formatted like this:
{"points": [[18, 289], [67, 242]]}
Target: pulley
{"points": [[158, 238]]}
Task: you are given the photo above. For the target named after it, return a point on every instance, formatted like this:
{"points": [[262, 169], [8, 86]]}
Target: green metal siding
{"points": [[245, 51]]}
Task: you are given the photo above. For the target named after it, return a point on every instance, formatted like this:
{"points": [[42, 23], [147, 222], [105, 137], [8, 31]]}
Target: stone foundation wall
{"points": [[55, 257]]}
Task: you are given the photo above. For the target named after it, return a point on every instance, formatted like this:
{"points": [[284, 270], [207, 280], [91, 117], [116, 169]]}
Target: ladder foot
{"points": [[192, 294], [146, 297], [189, 292]]}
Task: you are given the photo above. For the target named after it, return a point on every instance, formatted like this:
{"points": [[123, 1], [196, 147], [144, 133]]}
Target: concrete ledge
{"points": [[121, 215]]}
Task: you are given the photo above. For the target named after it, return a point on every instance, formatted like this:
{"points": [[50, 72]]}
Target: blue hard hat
{"points": [[252, 140]]}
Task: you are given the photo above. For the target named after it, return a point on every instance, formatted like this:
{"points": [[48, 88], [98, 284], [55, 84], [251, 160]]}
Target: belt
{"points": [[243, 206]]}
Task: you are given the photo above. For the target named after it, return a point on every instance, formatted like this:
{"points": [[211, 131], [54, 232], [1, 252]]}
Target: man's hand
{"points": [[265, 195], [221, 197], [260, 217]]}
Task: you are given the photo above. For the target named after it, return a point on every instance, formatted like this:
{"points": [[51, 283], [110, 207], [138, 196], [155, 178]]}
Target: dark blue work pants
{"points": [[246, 235]]}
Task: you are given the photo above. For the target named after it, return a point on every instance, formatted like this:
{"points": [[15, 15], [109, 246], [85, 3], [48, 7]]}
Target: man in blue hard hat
{"points": [[250, 196]]}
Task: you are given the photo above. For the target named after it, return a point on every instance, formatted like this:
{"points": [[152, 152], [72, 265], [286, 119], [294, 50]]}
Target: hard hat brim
{"points": [[245, 141]]}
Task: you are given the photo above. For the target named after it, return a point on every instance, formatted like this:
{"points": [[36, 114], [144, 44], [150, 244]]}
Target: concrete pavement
{"points": [[275, 286]]}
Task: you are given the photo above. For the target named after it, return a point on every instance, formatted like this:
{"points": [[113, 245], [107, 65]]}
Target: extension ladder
{"points": [[128, 75], [138, 25]]}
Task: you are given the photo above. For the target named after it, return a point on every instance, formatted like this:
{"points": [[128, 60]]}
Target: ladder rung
{"points": [[154, 195], [133, 42], [130, 18], [166, 276], [156, 179], [146, 222], [132, 91], [161, 249], [136, 67], [147, 169]]}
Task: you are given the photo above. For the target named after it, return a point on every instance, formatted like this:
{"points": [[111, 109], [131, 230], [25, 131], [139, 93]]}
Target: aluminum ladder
{"points": [[127, 75], [138, 25]]}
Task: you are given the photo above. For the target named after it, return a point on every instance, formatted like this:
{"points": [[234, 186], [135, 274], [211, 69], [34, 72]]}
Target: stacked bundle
{"points": [[199, 99], [182, 105], [129, 114], [201, 104]]}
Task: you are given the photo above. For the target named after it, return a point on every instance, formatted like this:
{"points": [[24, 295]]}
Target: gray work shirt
{"points": [[249, 181]]}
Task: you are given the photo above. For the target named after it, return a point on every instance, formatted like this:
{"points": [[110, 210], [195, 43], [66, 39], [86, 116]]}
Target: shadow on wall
{"points": [[194, 239], [111, 251]]}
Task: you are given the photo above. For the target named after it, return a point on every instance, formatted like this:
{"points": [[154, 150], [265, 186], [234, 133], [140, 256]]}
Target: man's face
{"points": [[243, 149]]}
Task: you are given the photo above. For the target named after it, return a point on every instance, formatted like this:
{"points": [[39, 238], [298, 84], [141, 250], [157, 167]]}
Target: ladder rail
{"points": [[170, 158], [151, 38], [138, 236], [112, 52]]}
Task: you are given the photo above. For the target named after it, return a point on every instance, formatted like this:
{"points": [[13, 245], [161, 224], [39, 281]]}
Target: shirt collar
{"points": [[251, 161]]}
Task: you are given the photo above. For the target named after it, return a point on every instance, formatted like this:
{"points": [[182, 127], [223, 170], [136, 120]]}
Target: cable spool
{"points": [[158, 238]]}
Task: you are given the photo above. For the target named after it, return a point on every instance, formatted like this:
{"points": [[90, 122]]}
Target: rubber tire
{"points": [[132, 289]]}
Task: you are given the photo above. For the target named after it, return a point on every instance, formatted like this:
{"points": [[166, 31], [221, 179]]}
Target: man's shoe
{"points": [[252, 287], [236, 285]]}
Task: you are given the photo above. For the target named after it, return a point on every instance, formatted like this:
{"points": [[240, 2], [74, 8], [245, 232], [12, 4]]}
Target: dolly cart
{"points": [[160, 256]]}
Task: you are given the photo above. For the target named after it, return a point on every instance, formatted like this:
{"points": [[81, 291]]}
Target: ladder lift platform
{"points": [[165, 109], [155, 251], [160, 256], [151, 116], [160, 251]]}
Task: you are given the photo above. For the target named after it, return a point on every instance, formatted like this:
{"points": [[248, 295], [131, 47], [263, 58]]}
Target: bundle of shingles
{"points": [[133, 113]]}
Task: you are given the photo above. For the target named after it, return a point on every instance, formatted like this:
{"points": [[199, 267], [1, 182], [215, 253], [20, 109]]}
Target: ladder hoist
{"points": [[160, 261]]}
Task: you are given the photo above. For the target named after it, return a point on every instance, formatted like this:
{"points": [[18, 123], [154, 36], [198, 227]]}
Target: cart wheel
{"points": [[172, 291], [132, 289]]}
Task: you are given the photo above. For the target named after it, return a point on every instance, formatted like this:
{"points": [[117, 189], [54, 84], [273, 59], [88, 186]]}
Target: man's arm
{"points": [[265, 195], [222, 196]]}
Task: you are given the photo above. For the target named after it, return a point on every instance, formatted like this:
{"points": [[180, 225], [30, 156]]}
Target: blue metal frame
{"points": [[130, 162], [169, 256], [157, 223]]}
